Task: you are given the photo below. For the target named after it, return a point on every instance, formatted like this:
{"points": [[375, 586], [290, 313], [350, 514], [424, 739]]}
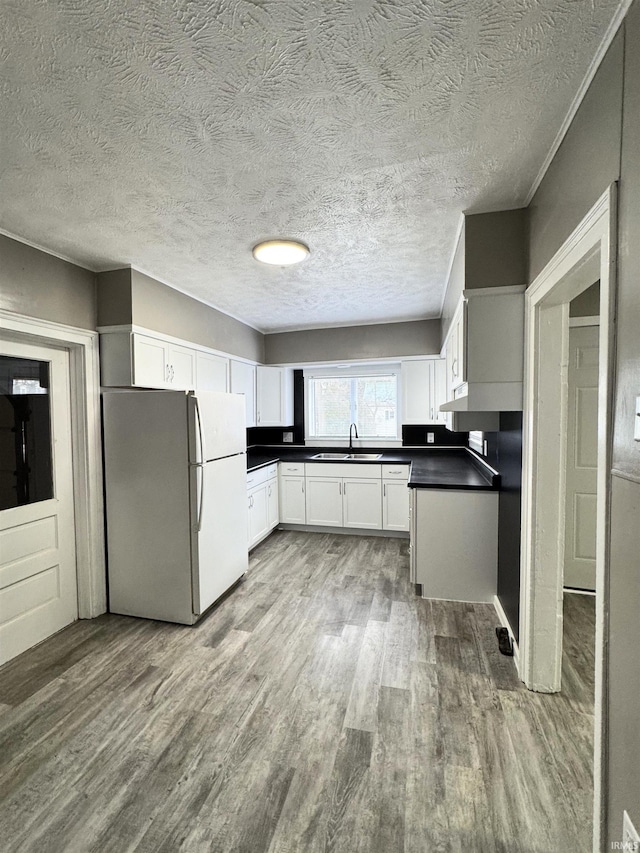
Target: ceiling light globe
{"points": [[280, 253]]}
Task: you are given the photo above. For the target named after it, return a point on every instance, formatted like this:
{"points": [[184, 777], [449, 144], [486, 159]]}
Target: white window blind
{"points": [[369, 401]]}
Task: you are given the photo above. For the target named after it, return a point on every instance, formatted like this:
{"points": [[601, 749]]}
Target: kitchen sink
{"points": [[330, 456], [364, 456]]}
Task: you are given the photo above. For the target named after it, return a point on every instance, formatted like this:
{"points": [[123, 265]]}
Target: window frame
{"points": [[362, 372]]}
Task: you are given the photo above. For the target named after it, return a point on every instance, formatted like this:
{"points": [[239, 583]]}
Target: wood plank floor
{"points": [[320, 707]]}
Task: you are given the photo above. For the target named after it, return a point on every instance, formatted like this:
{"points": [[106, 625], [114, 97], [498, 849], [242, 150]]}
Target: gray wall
{"points": [[587, 162], [455, 285], [114, 298], [385, 340], [492, 252], [40, 285], [601, 147], [587, 303], [495, 249], [128, 296]]}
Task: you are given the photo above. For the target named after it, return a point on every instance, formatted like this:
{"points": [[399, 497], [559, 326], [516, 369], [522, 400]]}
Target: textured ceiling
{"points": [[175, 135]]}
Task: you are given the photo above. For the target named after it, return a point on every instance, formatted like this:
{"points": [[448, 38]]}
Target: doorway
{"points": [[80, 351], [588, 255], [38, 587]]}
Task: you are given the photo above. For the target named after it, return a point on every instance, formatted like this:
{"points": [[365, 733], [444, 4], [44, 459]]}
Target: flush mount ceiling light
{"points": [[280, 253]]}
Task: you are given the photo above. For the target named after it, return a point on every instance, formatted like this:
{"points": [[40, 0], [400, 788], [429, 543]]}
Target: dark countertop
{"points": [[431, 467]]}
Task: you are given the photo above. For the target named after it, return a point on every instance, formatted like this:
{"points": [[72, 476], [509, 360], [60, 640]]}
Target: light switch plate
{"points": [[636, 426], [430, 437], [287, 437]]}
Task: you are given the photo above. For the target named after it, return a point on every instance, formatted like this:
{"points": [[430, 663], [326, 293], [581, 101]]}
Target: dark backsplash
{"points": [[415, 436], [268, 435], [504, 452]]}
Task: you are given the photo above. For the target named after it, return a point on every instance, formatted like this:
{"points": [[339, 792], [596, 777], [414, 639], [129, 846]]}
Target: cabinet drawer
{"points": [[395, 472], [261, 475], [291, 469], [344, 469], [272, 471]]}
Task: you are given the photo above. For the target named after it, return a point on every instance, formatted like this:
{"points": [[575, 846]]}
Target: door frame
{"points": [[86, 445], [588, 254]]}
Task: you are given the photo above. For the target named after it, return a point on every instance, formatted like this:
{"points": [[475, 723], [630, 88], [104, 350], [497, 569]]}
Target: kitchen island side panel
{"points": [[456, 544]]}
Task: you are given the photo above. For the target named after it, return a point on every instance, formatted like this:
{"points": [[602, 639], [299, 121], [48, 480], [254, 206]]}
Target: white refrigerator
{"points": [[176, 500]]}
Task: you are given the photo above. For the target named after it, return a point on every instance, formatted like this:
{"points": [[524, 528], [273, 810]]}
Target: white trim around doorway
{"points": [[586, 256], [86, 447]]}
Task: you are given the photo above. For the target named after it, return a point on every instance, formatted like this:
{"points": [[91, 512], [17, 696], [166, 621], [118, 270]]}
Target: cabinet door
{"points": [[182, 367], [395, 505], [416, 392], [270, 396], [243, 381], [258, 514], [439, 390], [150, 362], [292, 500], [212, 372], [324, 501], [273, 516], [362, 503]]}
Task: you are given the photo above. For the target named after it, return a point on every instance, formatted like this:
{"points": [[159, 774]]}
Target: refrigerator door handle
{"points": [[203, 455], [200, 470]]}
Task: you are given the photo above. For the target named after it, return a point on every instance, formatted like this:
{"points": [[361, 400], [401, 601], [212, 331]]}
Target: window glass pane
{"points": [[376, 406], [25, 432], [331, 406], [368, 401]]}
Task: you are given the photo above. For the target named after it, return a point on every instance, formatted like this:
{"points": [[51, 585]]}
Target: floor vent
{"points": [[504, 641]]}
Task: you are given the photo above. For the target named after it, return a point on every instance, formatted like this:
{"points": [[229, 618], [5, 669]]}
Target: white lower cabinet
{"points": [[348, 495], [395, 505], [258, 514], [273, 514], [341, 501], [324, 501], [262, 502], [361, 504], [292, 493]]}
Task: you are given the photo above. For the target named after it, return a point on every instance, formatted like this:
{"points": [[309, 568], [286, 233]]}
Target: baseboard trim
{"points": [[502, 616], [345, 531]]}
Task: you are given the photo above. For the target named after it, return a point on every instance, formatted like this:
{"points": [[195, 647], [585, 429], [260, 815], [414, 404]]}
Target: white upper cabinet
{"points": [[243, 381], [274, 396], [150, 359], [129, 358], [212, 372], [484, 351], [182, 367], [423, 391], [157, 363]]}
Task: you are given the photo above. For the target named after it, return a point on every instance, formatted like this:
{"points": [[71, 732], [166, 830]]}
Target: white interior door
{"points": [[38, 590], [582, 459]]}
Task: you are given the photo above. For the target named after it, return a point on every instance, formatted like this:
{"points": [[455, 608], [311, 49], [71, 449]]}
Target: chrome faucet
{"points": [[351, 428]]}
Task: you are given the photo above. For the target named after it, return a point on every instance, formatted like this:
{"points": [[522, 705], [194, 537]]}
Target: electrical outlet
{"points": [[287, 437], [630, 837], [431, 437]]}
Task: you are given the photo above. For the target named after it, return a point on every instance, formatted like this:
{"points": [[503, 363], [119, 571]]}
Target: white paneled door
{"points": [[38, 594], [582, 453]]}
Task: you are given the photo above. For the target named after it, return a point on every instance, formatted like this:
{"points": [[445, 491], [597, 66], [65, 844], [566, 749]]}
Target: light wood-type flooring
{"points": [[320, 707]]}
